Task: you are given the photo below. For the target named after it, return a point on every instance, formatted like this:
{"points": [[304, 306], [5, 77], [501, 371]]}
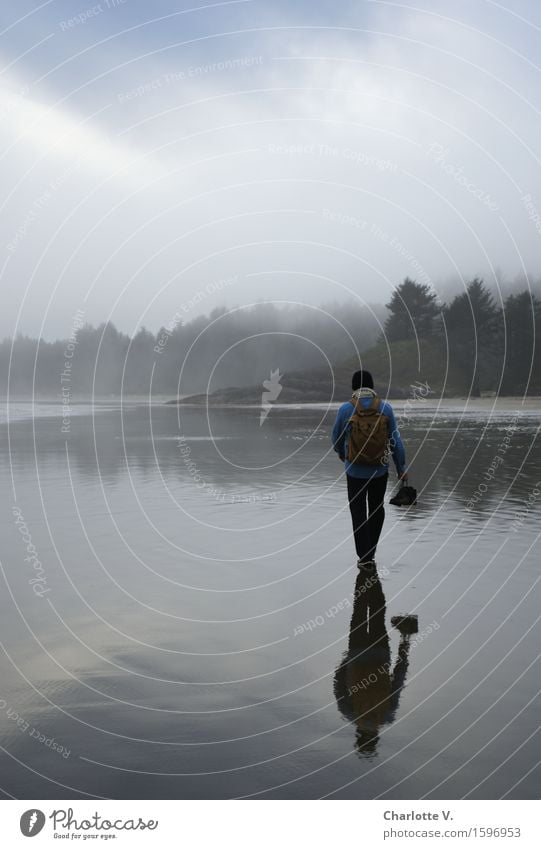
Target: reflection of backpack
{"points": [[368, 434]]}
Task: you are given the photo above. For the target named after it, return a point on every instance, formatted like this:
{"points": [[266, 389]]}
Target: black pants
{"points": [[367, 526]]}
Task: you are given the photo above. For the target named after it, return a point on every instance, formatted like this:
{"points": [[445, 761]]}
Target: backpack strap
{"points": [[365, 411]]}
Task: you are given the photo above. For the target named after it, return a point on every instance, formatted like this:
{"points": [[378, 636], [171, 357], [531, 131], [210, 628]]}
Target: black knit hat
{"points": [[362, 380]]}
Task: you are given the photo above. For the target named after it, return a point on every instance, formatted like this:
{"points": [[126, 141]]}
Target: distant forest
{"points": [[487, 347], [235, 347], [482, 346]]}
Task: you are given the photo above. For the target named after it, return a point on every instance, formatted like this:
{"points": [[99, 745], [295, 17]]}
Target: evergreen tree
{"points": [[414, 312], [522, 344], [139, 361], [474, 327]]}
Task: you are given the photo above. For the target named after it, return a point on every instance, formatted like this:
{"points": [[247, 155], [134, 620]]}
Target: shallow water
{"points": [[187, 634]]}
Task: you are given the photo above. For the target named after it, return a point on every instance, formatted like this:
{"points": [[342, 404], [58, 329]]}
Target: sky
{"points": [[167, 158]]}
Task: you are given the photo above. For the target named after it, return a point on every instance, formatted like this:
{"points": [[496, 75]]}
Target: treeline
{"points": [[470, 345], [493, 347], [226, 348]]}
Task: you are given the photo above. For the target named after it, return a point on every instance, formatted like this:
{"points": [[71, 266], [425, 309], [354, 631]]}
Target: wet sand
{"points": [[182, 615]]}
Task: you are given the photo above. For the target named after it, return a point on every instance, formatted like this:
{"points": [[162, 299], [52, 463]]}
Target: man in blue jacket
{"points": [[367, 483]]}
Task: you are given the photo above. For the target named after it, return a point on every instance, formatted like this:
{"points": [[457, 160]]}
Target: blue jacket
{"points": [[339, 440]]}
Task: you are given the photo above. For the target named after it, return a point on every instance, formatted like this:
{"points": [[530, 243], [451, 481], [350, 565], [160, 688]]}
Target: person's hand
{"points": [[403, 477]]}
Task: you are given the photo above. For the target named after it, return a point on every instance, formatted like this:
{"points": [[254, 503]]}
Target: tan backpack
{"points": [[368, 434]]}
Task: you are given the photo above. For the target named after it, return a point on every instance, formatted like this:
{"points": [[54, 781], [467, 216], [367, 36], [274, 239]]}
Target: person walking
{"points": [[364, 436]]}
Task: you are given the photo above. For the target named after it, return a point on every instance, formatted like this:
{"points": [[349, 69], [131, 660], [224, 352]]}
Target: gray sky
{"points": [[297, 151]]}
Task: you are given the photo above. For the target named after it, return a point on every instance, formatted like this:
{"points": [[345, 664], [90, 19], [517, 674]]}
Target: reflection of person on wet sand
{"points": [[366, 689]]}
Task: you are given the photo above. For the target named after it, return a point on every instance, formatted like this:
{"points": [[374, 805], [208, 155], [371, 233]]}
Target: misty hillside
{"points": [[397, 368], [228, 347], [468, 346], [463, 348]]}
